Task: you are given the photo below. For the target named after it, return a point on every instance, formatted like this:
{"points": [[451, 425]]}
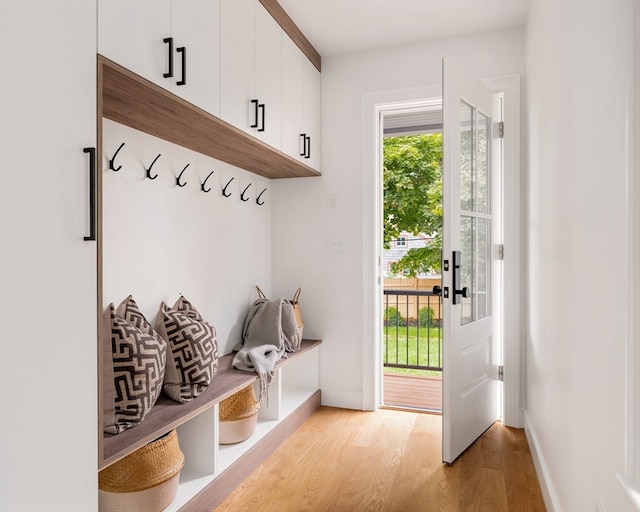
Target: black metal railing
{"points": [[412, 330]]}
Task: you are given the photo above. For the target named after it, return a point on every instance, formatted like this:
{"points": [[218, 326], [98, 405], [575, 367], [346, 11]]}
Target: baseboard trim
{"points": [[551, 500]]}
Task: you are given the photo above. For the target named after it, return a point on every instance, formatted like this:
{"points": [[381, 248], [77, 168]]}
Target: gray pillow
{"points": [[192, 360], [134, 360]]}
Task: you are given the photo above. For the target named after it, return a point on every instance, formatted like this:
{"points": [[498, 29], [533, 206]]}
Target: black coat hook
{"points": [[224, 190], [205, 181], [180, 176], [259, 196], [111, 167], [242, 195], [149, 169]]}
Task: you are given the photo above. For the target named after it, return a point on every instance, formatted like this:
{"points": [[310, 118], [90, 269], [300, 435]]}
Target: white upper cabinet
{"points": [[300, 105], [251, 70], [195, 25], [311, 113], [173, 43], [131, 33], [292, 99]]}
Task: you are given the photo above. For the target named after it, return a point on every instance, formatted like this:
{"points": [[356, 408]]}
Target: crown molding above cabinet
{"points": [[292, 30]]}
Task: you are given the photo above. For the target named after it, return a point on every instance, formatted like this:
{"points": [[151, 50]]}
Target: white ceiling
{"points": [[345, 26]]}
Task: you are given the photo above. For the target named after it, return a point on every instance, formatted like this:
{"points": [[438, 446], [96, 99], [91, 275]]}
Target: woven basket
{"points": [[145, 480], [238, 416]]}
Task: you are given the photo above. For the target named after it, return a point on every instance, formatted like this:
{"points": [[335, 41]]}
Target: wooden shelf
{"points": [[138, 103], [167, 414]]}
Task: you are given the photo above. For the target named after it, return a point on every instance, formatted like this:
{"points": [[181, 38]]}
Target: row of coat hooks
{"points": [[180, 183]]}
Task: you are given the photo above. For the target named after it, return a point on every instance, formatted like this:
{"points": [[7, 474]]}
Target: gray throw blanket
{"points": [[270, 330]]}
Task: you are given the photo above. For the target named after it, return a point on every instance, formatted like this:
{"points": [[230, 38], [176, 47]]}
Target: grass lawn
{"points": [[414, 346]]}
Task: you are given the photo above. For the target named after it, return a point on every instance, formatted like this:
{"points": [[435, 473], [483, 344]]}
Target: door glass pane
{"points": [[482, 163], [466, 157], [475, 219], [483, 265], [467, 236]]}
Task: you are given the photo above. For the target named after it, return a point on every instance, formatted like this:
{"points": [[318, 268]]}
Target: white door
{"points": [[470, 377]]}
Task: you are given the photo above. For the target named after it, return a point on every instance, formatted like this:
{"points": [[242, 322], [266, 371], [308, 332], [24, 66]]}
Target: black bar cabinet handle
{"points": [[308, 146], [261, 107], [169, 40], [183, 51], [303, 136], [92, 193], [255, 113]]}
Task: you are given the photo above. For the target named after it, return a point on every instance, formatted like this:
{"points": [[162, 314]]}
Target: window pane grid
{"points": [[475, 215]]}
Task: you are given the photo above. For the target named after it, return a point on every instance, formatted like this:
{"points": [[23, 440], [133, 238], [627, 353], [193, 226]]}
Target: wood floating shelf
{"points": [[167, 414], [138, 103]]}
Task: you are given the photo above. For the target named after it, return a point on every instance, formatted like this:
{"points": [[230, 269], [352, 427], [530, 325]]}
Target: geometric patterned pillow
{"points": [[192, 359], [134, 360]]}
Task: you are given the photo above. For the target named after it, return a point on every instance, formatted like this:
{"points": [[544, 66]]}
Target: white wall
{"points": [[578, 67], [308, 215], [161, 240]]}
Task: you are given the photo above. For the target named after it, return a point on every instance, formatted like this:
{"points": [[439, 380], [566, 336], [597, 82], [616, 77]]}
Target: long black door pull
{"points": [[464, 291], [92, 193]]}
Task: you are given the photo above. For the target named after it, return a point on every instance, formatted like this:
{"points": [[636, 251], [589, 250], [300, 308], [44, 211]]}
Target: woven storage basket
{"points": [[238, 416], [145, 480]]}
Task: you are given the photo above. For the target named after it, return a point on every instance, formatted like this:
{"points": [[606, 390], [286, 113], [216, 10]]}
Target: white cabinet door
{"points": [[269, 77], [48, 318], [237, 63], [292, 99], [311, 115], [300, 105], [172, 43], [195, 26], [250, 70], [132, 33]]}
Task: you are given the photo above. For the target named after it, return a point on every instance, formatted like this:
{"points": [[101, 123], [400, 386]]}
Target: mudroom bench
{"points": [[212, 470]]}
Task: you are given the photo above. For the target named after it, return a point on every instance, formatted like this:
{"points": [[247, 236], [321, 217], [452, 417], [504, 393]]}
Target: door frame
{"points": [[511, 324]]}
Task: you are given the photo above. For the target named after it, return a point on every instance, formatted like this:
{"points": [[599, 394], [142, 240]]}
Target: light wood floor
{"points": [[389, 461]]}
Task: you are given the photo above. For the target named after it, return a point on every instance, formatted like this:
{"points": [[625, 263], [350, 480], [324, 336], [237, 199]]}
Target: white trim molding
{"points": [[372, 107], [630, 481], [509, 87], [549, 494]]}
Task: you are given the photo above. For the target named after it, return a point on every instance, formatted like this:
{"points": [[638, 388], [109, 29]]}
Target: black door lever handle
{"points": [[464, 292]]}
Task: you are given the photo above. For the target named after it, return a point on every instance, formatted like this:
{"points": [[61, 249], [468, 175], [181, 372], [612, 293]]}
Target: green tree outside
{"points": [[413, 198]]}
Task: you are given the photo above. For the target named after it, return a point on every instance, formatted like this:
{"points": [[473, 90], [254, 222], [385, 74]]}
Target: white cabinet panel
{"points": [[48, 375], [237, 63], [250, 70], [131, 33], [311, 116], [269, 76], [195, 25], [292, 98], [300, 105]]}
